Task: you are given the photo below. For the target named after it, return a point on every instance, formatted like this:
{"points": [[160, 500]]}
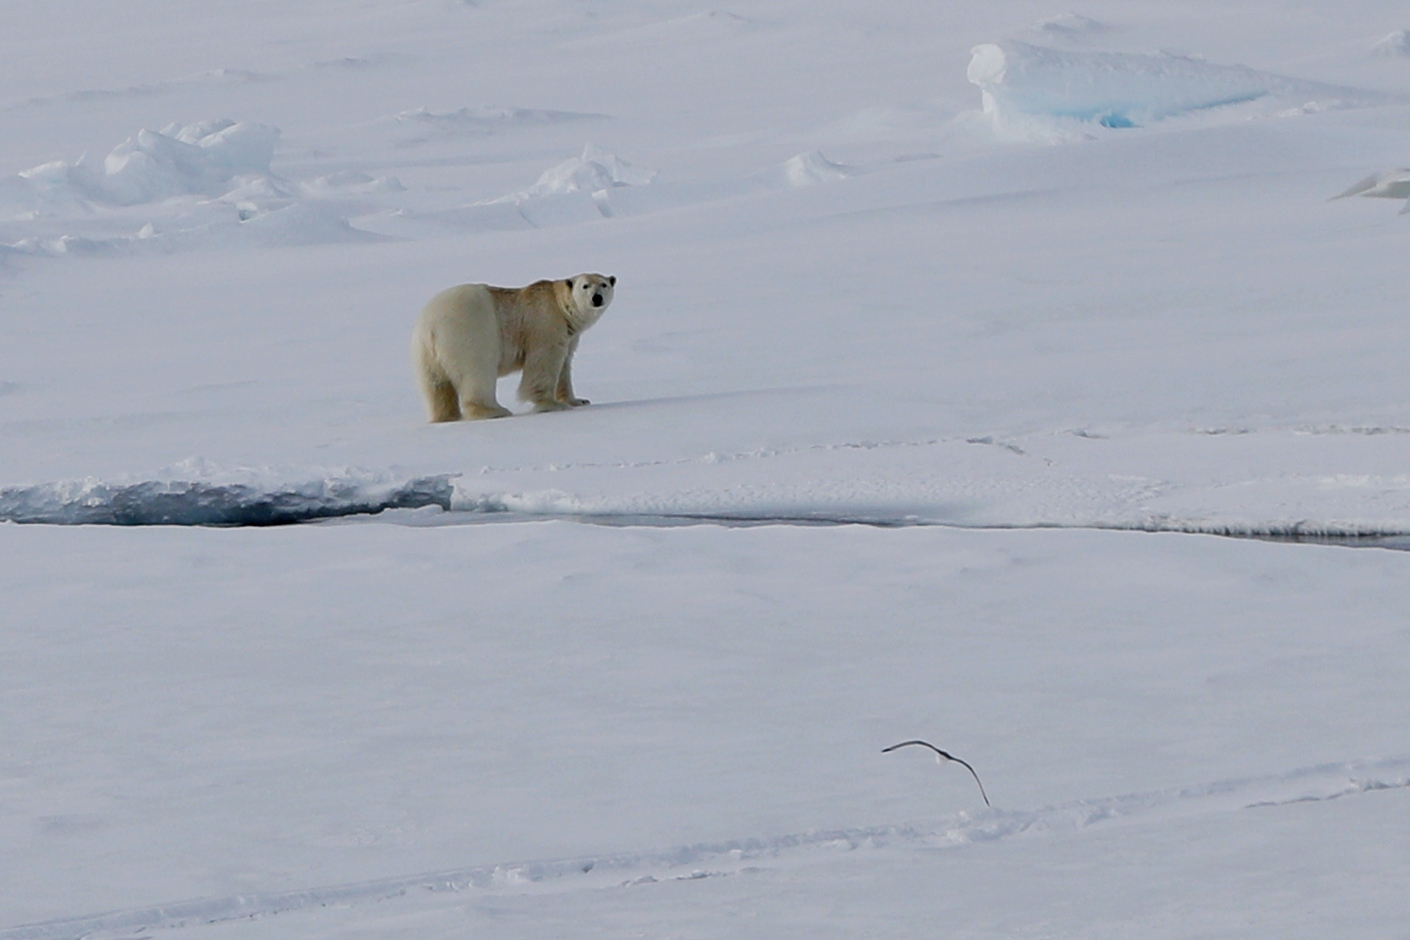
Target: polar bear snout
{"points": [[597, 300]]}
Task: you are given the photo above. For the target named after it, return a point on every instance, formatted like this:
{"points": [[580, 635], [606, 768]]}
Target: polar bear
{"points": [[470, 335]]}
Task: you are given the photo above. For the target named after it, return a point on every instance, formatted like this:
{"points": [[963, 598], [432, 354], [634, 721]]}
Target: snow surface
{"points": [[1039, 295]]}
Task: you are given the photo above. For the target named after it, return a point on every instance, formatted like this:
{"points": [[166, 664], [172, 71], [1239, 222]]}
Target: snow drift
{"points": [[594, 171], [809, 169], [1395, 45], [1387, 184], [574, 191]]}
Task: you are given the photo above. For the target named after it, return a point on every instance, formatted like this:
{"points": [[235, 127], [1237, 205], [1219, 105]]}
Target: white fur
{"points": [[468, 336]]}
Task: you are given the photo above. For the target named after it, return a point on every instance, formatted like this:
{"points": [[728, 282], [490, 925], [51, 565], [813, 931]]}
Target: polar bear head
{"points": [[591, 293]]}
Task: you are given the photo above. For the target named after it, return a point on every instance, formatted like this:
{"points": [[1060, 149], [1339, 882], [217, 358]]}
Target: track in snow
{"points": [[686, 863]]}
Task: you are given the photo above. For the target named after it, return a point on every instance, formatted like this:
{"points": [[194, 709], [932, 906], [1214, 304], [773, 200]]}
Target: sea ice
{"points": [[1121, 90]]}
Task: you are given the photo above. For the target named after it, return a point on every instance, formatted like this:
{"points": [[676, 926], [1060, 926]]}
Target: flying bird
{"points": [[940, 758]]}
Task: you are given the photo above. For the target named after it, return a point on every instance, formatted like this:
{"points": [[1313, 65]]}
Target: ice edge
{"points": [[196, 503]]}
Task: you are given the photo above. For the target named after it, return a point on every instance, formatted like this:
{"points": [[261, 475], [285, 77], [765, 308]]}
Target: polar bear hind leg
{"points": [[458, 355], [473, 375], [441, 398]]}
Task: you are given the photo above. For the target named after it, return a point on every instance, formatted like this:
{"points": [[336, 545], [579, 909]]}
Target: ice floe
{"points": [[1027, 88]]}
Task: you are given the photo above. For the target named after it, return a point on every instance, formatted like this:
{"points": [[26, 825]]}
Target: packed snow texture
{"points": [[742, 856], [1002, 313], [509, 728]]}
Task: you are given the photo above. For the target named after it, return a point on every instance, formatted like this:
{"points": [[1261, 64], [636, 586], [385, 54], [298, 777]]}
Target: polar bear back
{"points": [[458, 335]]}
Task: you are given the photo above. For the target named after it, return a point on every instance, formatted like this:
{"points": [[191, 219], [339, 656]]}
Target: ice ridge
{"points": [[205, 158]]}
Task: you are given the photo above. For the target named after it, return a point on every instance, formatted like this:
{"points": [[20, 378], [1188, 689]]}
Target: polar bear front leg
{"points": [[564, 391], [542, 368]]}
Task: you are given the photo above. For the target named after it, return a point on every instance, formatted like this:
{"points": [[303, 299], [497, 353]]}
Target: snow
{"points": [[1395, 44], [950, 341], [593, 171], [357, 711], [1387, 184], [806, 169], [151, 166]]}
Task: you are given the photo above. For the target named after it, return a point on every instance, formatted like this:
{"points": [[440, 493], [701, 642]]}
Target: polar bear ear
{"points": [[612, 280]]}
